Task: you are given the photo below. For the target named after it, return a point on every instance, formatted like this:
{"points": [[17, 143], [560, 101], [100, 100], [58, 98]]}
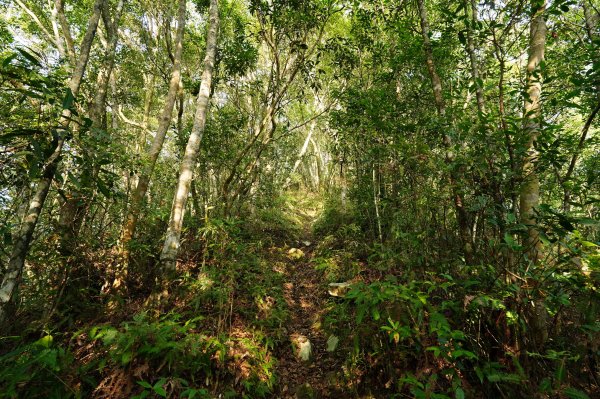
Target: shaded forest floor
{"points": [[305, 293]]}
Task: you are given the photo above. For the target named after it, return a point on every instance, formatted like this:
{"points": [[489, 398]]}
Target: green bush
{"points": [[37, 370]]}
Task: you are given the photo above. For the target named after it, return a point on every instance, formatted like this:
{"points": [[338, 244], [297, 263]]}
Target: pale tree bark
{"points": [[151, 156], [530, 188], [376, 200], [22, 240], [170, 250], [75, 207], [64, 25], [318, 165], [591, 19], [436, 83], [58, 40], [301, 154]]}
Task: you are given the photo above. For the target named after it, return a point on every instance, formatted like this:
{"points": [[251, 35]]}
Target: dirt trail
{"points": [[306, 295]]}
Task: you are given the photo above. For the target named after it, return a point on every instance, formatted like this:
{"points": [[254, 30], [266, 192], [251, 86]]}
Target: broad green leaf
{"points": [[68, 100], [45, 341]]}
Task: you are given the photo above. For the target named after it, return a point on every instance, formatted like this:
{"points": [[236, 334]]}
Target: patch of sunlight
{"points": [[279, 267], [264, 304], [305, 304], [295, 253], [288, 294], [203, 282]]}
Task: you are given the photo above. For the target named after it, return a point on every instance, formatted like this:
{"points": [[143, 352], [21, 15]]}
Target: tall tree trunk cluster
{"points": [[170, 249], [151, 156], [22, 241]]}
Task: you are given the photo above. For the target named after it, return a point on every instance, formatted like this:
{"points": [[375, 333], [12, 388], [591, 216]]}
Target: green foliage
{"points": [[36, 370], [272, 224], [410, 188], [164, 341], [27, 83], [453, 319]]}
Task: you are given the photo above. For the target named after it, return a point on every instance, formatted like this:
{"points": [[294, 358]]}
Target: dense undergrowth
{"points": [[211, 332], [405, 329], [437, 329]]}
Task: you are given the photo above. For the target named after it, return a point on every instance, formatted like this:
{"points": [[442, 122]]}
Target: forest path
{"points": [[305, 291]]}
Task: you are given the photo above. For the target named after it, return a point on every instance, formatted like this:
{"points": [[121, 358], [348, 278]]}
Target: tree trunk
{"points": [[471, 24], [22, 240], [64, 25], [54, 21], [436, 83], [376, 198], [301, 154], [77, 203], [530, 189], [170, 250], [152, 156]]}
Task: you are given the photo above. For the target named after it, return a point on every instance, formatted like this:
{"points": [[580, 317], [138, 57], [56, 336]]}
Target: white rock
{"points": [[295, 253], [332, 343], [302, 347], [338, 289]]}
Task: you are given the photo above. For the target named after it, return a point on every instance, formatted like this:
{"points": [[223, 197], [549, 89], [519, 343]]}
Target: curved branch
{"points": [[581, 143], [37, 22]]}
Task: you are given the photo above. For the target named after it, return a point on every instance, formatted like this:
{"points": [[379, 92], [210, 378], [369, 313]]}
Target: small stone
{"points": [[302, 347], [332, 343]]}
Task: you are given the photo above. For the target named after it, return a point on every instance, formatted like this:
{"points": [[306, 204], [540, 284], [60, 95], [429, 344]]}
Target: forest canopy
{"points": [[299, 198]]}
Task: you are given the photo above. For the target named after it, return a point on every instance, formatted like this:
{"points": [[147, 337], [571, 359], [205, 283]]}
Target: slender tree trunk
{"points": [[77, 204], [436, 83], [504, 125], [22, 240], [152, 156], [472, 24], [57, 38], [376, 197], [64, 25], [301, 154], [266, 120], [461, 213], [170, 250], [530, 189]]}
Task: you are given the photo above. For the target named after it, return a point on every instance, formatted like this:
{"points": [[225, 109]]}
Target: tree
{"points": [[170, 249], [23, 238], [153, 152], [530, 189], [436, 83]]}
